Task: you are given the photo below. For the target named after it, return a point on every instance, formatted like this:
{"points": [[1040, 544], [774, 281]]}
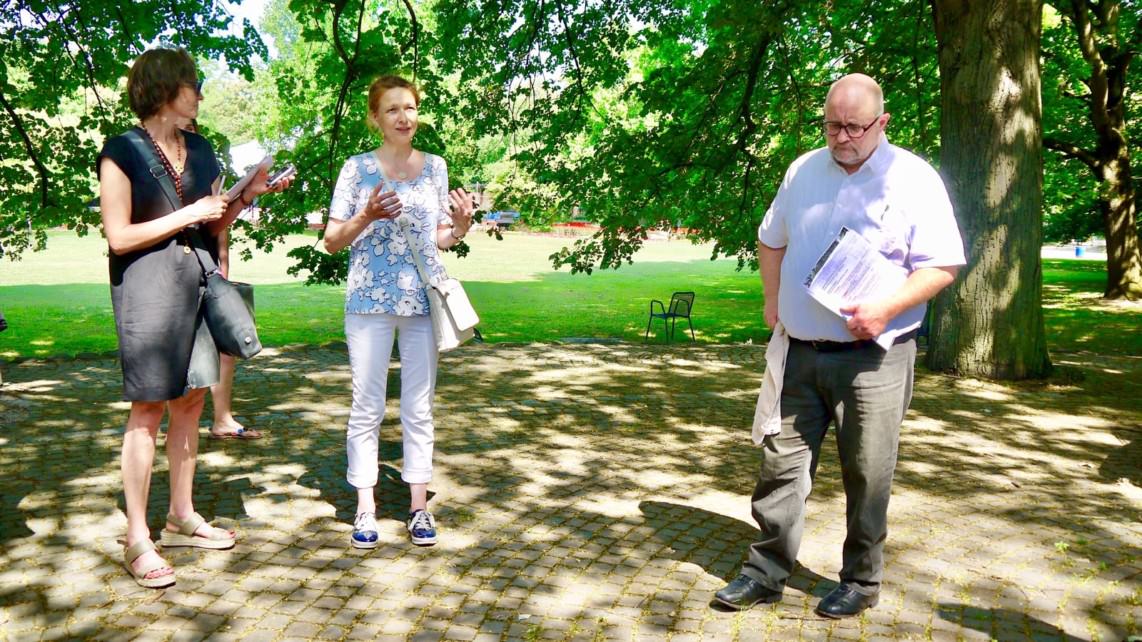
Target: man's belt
{"points": [[845, 346]]}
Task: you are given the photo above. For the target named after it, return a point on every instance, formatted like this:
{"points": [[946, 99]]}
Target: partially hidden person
{"points": [[385, 298], [156, 286], [225, 425], [834, 371]]}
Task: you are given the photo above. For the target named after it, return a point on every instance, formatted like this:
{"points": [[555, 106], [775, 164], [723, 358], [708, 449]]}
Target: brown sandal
{"points": [[138, 549], [186, 534]]}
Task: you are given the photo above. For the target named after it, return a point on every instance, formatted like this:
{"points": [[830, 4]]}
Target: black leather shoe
{"points": [[845, 601], [745, 592]]}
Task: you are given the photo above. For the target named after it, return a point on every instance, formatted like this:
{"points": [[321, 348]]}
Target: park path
{"points": [[584, 492]]}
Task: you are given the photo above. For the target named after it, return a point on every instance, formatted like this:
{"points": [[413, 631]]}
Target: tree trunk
{"points": [[1123, 256], [1108, 54], [990, 322]]}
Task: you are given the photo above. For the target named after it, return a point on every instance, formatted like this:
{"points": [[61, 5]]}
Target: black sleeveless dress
{"points": [[156, 291]]}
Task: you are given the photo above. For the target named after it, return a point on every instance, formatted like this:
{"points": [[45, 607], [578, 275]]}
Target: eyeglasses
{"points": [[855, 131], [196, 84]]}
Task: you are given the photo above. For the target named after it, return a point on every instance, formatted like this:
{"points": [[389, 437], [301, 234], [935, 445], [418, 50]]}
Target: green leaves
{"points": [[62, 69], [652, 114], [639, 114]]}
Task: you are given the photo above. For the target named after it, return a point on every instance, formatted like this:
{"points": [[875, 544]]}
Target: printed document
{"points": [[851, 271]]}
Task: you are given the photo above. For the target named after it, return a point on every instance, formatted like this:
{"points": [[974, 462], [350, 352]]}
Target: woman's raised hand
{"points": [[382, 205], [462, 207]]}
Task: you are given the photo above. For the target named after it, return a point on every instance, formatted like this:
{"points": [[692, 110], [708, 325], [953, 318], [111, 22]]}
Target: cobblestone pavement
{"points": [[583, 492]]}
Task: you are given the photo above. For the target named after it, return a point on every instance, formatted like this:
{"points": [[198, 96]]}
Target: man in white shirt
{"points": [[834, 371]]}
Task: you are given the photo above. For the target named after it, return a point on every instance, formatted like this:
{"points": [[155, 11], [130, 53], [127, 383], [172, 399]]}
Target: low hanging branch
{"points": [[1074, 151], [746, 109], [415, 39], [570, 38], [73, 39], [347, 82], [45, 175]]}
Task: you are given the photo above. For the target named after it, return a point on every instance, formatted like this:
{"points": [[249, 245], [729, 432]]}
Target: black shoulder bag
{"points": [[227, 306]]}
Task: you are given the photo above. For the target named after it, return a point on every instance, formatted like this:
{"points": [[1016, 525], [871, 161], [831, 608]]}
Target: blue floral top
{"points": [[382, 272]]}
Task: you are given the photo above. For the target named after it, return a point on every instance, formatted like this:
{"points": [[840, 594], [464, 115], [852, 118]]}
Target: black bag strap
{"points": [[155, 166], [158, 171]]}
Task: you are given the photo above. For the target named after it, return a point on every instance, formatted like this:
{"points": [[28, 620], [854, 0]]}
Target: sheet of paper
{"points": [[851, 271], [237, 188]]}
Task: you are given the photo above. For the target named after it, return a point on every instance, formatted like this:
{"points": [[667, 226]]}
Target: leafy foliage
{"points": [[1070, 187], [1088, 98], [649, 114], [62, 66], [640, 114], [329, 53]]}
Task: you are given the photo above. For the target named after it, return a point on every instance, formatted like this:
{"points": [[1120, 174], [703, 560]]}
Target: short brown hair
{"points": [[379, 87], [156, 78]]}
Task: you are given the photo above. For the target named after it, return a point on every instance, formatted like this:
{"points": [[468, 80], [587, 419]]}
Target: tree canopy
{"points": [[638, 114], [650, 114], [62, 70], [1088, 97]]}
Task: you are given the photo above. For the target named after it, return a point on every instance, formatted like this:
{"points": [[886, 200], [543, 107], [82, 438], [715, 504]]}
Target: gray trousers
{"points": [[865, 393]]}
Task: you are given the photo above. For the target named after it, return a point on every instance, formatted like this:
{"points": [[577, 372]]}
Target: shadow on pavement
{"points": [[1003, 624], [567, 481]]}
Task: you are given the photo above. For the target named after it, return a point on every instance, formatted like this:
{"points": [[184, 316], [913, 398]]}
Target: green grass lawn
{"points": [[58, 301]]}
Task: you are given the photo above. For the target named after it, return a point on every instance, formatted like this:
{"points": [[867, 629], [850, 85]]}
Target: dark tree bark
{"points": [[990, 322], [1109, 54]]}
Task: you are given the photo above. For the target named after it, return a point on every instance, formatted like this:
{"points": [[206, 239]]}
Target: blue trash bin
{"points": [[1079, 251]]}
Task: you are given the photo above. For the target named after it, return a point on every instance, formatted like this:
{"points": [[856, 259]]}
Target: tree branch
{"points": [[745, 112], [921, 122], [1070, 150], [350, 76], [88, 63], [784, 48], [574, 59], [415, 39], [128, 35], [1084, 30], [338, 9], [29, 147], [745, 187]]}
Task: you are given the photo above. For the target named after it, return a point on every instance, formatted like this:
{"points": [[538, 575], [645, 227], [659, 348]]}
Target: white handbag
{"points": [[454, 319]]}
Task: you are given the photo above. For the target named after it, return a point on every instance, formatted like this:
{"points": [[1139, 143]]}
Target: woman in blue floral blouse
{"points": [[385, 295]]}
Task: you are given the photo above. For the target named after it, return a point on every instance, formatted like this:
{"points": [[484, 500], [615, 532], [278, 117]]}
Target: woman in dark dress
{"points": [[156, 281]]}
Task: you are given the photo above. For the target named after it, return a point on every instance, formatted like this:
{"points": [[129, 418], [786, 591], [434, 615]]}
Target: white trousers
{"points": [[370, 338]]}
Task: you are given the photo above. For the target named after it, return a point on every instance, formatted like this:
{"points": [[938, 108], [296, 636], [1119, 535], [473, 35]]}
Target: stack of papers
{"points": [[851, 271]]}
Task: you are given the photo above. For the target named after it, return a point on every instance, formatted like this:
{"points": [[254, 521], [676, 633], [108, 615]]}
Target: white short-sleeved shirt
{"points": [[383, 278], [895, 200]]}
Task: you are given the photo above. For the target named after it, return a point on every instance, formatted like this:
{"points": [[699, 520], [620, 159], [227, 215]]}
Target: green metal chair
{"points": [[681, 303]]}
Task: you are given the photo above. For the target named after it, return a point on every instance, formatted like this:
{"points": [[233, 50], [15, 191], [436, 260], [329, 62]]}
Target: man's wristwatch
{"points": [[452, 231]]}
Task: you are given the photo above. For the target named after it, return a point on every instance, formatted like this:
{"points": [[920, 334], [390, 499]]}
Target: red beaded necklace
{"points": [[175, 176]]}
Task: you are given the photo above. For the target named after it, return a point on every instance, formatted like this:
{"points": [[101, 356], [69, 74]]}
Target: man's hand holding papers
{"points": [[855, 281]]}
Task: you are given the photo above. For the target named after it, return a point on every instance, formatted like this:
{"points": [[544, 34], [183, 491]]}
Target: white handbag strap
{"points": [[417, 258]]}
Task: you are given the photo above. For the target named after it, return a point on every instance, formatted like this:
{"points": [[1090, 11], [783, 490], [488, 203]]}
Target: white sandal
{"points": [[186, 534], [134, 552]]}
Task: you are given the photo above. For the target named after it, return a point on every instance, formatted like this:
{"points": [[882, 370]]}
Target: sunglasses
{"points": [[197, 85]]}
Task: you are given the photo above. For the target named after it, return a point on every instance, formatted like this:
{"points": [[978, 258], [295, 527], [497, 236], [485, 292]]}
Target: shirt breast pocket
{"points": [[889, 225]]}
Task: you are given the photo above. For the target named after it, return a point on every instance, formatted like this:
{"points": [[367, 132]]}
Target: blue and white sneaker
{"points": [[364, 531], [422, 528]]}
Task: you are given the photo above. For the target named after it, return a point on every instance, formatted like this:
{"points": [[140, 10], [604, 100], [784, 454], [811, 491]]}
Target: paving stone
{"points": [[590, 501]]}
